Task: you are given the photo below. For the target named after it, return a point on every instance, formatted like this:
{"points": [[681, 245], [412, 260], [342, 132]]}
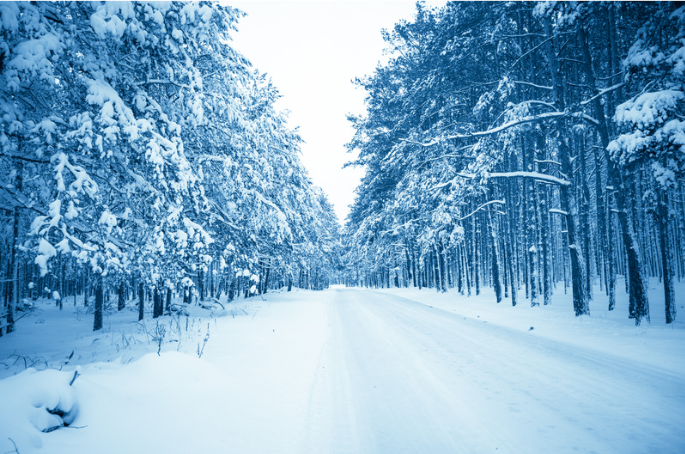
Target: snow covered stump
{"points": [[44, 402]]}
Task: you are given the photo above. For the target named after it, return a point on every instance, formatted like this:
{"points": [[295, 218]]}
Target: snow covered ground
{"points": [[348, 370]]}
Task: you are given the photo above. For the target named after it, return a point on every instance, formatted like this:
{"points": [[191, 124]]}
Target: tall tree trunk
{"points": [[585, 214], [494, 243], [580, 298], [542, 220], [666, 255], [11, 307], [476, 258], [513, 261], [637, 290]]}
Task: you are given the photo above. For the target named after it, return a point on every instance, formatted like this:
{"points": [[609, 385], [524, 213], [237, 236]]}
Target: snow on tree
{"points": [[486, 143], [652, 125], [150, 148]]}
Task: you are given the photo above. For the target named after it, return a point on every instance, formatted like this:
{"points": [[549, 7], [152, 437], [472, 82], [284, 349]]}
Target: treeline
{"points": [[142, 156], [523, 145]]}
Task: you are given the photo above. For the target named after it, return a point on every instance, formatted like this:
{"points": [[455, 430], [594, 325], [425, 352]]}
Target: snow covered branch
{"points": [[534, 175], [480, 208], [602, 93]]}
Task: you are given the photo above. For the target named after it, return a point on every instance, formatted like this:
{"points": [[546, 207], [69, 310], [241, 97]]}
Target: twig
{"points": [[16, 450], [73, 379]]}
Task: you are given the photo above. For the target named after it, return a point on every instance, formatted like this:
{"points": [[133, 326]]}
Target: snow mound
{"points": [[35, 402], [162, 388]]}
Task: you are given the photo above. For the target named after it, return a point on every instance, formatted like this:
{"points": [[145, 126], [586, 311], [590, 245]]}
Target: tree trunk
{"points": [[666, 255], [99, 302], [122, 297], [156, 303], [63, 272], [496, 280], [168, 301], [85, 286], [476, 258], [580, 299], [201, 284], [266, 278], [141, 301], [11, 307]]}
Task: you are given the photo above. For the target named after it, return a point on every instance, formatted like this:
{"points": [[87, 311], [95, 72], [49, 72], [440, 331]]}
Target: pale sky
{"points": [[312, 50]]}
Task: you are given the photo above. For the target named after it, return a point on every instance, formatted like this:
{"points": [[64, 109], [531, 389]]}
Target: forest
{"points": [[526, 147], [142, 157], [507, 279], [534, 146]]}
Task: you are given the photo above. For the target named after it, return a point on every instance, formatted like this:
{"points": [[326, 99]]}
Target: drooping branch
{"points": [[496, 130]]}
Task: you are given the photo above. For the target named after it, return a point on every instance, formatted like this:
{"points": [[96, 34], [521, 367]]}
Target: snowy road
{"points": [[396, 376]]}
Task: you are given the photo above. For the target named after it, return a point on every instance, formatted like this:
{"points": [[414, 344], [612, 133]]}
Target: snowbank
{"points": [[247, 393]]}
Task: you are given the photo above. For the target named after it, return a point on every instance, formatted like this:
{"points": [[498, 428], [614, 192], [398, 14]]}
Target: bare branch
{"points": [[27, 159], [602, 93], [531, 50], [530, 84], [165, 82], [547, 161]]}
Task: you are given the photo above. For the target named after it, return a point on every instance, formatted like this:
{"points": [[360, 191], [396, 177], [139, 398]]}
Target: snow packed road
{"points": [[397, 376]]}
